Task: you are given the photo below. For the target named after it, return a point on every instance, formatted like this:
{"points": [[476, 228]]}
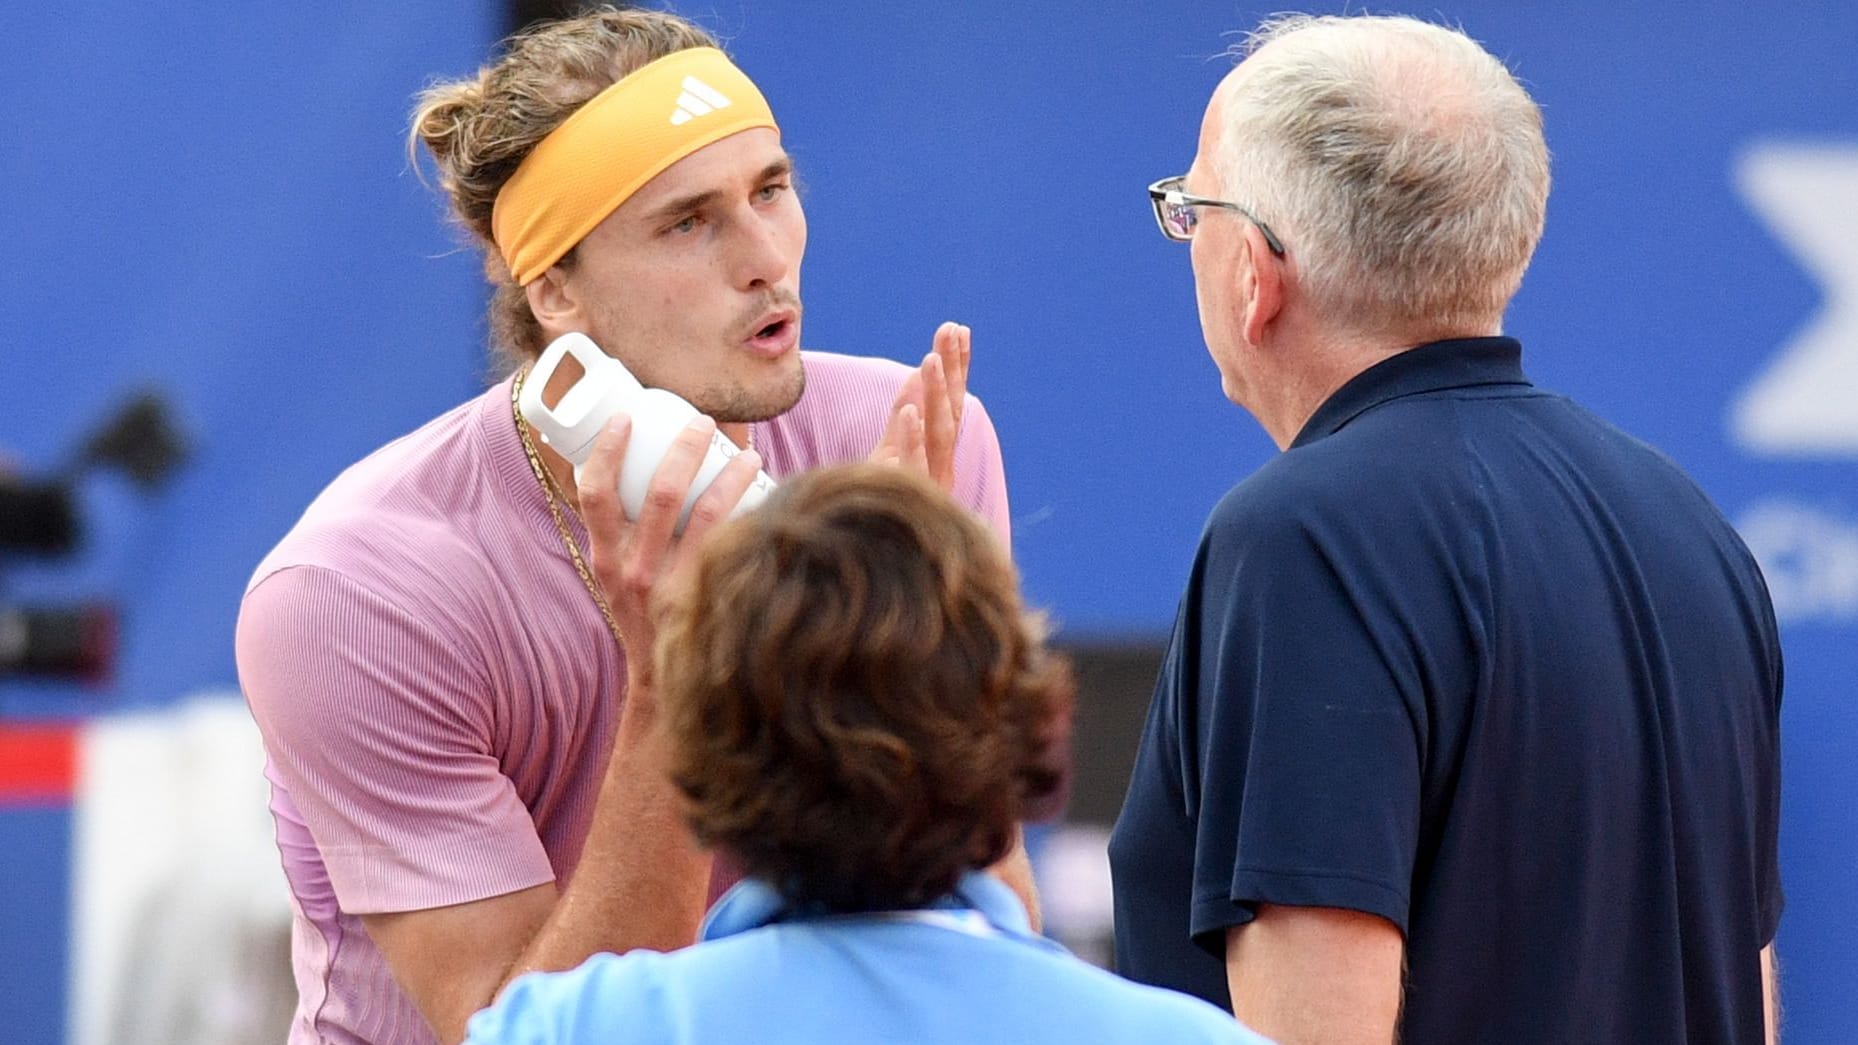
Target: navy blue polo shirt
{"points": [[1471, 659]]}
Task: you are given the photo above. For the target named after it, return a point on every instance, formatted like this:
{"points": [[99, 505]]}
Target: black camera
{"points": [[41, 517]]}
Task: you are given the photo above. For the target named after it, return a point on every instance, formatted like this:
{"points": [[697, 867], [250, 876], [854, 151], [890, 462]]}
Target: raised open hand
{"points": [[925, 418]]}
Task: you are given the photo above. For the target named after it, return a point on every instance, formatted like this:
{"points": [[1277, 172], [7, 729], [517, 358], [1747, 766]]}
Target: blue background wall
{"points": [[216, 203]]}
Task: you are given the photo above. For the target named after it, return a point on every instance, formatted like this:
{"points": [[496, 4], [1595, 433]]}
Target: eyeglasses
{"points": [[1174, 212]]}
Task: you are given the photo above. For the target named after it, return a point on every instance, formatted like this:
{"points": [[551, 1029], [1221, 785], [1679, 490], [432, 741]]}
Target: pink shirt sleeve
{"points": [[379, 728], [980, 473]]}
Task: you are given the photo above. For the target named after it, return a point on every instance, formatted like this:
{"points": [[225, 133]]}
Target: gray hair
{"points": [[1403, 166]]}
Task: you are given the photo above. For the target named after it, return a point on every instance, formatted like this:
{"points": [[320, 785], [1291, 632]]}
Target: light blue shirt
{"points": [[967, 970]]}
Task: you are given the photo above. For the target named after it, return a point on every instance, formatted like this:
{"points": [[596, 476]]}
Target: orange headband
{"points": [[610, 147]]}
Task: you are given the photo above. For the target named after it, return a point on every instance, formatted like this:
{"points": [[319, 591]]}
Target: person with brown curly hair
{"points": [[447, 655], [859, 712]]}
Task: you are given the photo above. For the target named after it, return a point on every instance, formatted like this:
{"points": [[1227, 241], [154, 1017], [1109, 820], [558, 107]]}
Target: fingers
{"points": [[954, 343], [629, 556], [903, 440], [936, 391], [598, 492], [670, 485], [911, 392], [939, 428], [945, 391], [914, 453], [724, 493], [905, 419]]}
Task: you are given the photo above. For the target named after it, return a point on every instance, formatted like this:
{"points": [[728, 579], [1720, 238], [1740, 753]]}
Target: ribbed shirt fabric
{"points": [[437, 691]]}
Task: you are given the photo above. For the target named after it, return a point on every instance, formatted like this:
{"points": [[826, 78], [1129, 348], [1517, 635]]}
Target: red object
{"points": [[38, 764]]}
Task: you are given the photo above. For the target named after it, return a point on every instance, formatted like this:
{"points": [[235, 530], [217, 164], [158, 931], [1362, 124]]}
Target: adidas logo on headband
{"points": [[698, 99]]}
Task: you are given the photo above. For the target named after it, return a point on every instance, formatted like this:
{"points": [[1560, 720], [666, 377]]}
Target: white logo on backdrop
{"points": [[1809, 557], [1805, 404]]}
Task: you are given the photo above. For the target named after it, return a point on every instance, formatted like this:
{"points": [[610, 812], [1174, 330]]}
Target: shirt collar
{"points": [[753, 903], [1439, 365]]}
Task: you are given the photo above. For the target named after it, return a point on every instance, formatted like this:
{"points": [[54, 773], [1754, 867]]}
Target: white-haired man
{"points": [[1468, 728]]}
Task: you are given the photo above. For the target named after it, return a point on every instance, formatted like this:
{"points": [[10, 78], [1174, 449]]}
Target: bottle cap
{"points": [[572, 424]]}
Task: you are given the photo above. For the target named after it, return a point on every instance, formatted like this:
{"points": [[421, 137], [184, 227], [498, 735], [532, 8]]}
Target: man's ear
{"points": [[1266, 273], [554, 303]]}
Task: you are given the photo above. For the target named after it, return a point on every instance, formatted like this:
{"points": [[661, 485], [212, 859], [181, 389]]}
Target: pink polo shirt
{"points": [[437, 691]]}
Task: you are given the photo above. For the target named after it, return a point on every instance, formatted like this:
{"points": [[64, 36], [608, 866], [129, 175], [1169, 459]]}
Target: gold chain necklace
{"points": [[556, 499]]}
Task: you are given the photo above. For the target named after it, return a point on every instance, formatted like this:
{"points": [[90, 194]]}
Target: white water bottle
{"points": [[605, 388]]}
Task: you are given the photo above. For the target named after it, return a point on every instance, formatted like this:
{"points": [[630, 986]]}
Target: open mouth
{"points": [[777, 334]]}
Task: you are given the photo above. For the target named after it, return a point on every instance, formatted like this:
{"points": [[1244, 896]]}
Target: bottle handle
{"points": [[570, 426]]}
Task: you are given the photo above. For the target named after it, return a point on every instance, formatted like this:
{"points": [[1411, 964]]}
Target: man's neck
{"points": [[1314, 367], [1314, 364], [1313, 372]]}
